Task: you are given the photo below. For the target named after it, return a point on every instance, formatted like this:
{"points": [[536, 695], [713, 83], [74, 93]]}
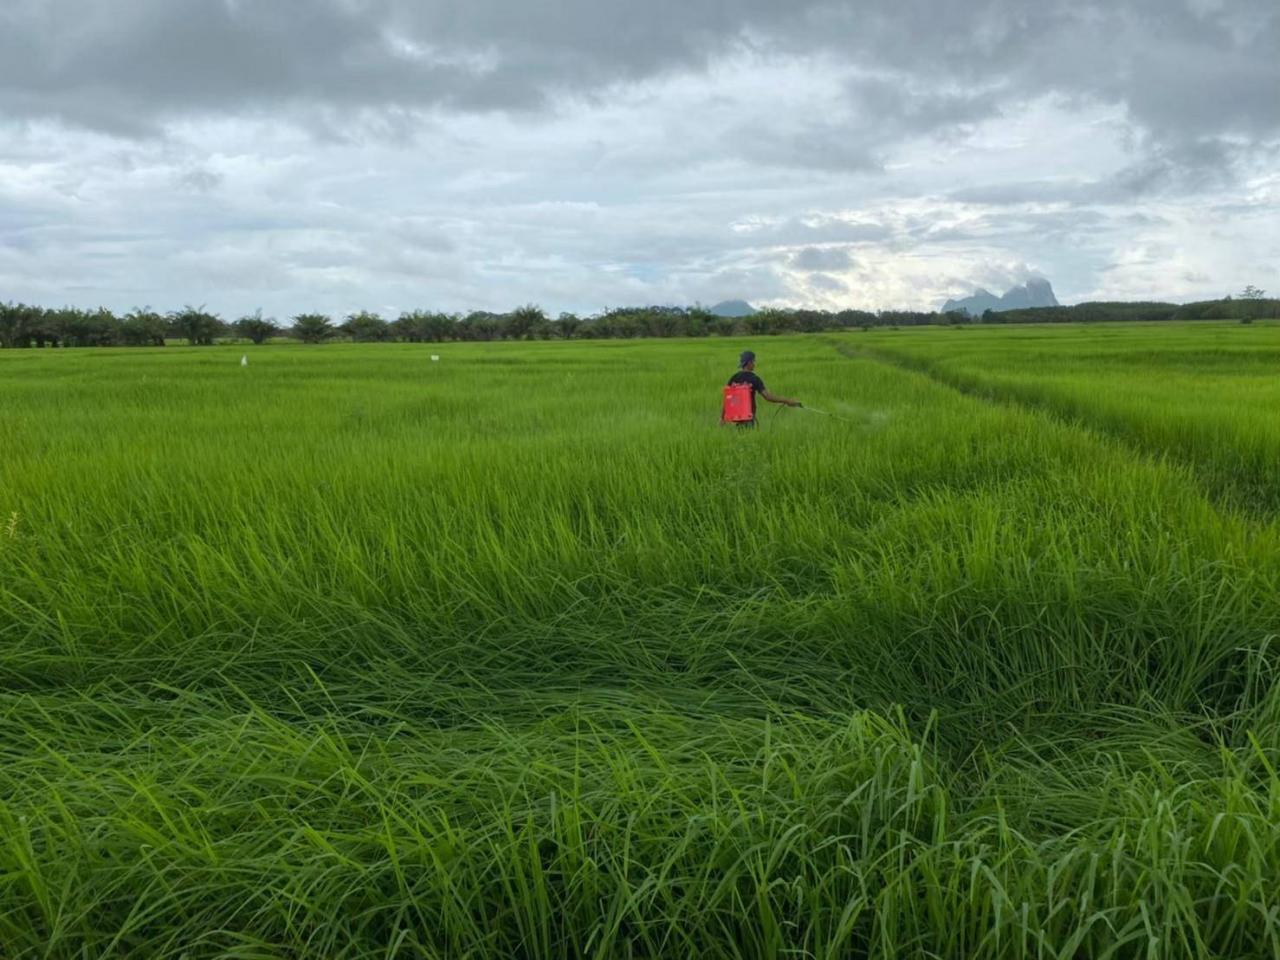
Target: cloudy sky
{"points": [[478, 154]]}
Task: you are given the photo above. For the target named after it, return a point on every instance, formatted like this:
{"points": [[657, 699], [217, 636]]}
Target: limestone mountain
{"points": [[1036, 292]]}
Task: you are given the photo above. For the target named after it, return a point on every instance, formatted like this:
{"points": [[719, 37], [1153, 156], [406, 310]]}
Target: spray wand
{"points": [[833, 416]]}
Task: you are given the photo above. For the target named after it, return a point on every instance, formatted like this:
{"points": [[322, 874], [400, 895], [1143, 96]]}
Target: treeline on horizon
{"points": [[23, 325]]}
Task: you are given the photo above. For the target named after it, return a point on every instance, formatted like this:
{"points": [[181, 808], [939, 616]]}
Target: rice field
{"points": [[352, 653]]}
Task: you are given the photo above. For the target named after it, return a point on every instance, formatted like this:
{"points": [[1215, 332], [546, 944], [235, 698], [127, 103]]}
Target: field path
{"points": [[1234, 479]]}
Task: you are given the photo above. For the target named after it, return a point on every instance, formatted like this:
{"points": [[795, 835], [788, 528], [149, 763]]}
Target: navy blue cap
{"points": [[747, 357]]}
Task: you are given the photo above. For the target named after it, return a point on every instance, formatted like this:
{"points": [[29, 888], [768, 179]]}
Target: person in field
{"points": [[747, 375]]}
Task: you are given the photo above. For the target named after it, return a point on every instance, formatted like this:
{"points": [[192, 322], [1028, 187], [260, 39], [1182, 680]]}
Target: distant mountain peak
{"points": [[1036, 292], [733, 308]]}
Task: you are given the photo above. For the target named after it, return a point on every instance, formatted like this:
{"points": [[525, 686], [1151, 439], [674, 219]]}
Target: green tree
{"points": [[366, 327], [421, 326], [661, 321], [442, 326], [88, 328], [256, 328], [527, 322], [410, 327], [1252, 298], [481, 325], [18, 324], [698, 322], [142, 327], [48, 326], [312, 327], [567, 326], [196, 325], [12, 324], [813, 321]]}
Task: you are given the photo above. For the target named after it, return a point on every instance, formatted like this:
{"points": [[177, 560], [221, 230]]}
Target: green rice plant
{"points": [[353, 653]]}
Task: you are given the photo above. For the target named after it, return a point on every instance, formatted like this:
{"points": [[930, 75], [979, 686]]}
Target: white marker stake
{"points": [[244, 361]]}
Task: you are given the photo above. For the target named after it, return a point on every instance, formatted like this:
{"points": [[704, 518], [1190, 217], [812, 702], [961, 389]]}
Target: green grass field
{"points": [[349, 653]]}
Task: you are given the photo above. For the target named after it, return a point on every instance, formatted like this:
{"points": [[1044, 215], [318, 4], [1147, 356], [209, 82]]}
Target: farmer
{"points": [[746, 374]]}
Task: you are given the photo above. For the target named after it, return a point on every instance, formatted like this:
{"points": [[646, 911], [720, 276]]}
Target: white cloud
{"points": [[778, 157]]}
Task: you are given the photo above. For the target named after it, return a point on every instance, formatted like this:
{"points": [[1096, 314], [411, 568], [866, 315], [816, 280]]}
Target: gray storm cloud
{"points": [[1182, 70], [386, 151], [822, 259]]}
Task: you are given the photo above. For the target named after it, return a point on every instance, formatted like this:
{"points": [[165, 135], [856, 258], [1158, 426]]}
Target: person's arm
{"points": [[774, 399]]}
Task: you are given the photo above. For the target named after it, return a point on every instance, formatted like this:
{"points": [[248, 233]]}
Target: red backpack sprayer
{"points": [[737, 404]]}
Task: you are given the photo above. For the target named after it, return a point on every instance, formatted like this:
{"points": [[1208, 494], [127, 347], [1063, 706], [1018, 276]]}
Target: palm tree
{"points": [[312, 327]]}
